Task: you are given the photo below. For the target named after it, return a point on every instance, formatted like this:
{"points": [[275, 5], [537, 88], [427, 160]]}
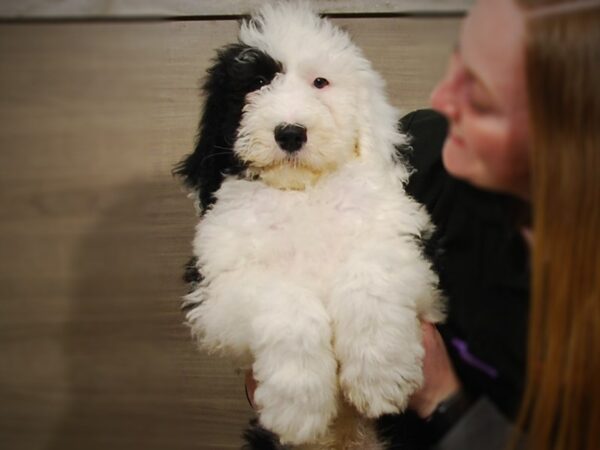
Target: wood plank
{"points": [[94, 230], [160, 8]]}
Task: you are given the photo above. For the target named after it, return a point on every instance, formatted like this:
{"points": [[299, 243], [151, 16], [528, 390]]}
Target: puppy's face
{"points": [[282, 105], [300, 124]]}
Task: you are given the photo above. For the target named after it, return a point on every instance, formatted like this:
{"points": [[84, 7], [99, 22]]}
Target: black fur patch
{"points": [[258, 438], [193, 278], [404, 431], [237, 70], [191, 274], [396, 432]]}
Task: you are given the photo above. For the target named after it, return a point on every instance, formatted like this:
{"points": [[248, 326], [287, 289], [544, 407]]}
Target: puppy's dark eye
{"points": [[320, 83], [258, 82]]}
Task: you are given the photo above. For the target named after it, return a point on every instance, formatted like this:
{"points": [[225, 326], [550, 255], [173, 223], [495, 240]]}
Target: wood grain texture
{"points": [[161, 8], [94, 230]]}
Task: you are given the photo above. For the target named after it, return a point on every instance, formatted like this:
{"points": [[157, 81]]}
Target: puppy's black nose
{"points": [[290, 137]]}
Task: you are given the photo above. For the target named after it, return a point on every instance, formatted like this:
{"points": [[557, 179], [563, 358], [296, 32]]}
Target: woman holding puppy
{"points": [[522, 99]]}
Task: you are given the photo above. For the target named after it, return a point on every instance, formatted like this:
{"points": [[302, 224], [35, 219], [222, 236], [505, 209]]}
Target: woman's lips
{"points": [[456, 139]]}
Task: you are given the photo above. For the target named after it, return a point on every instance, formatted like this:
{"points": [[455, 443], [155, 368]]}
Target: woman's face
{"points": [[483, 96]]}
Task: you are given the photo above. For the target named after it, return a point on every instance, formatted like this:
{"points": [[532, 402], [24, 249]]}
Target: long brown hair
{"points": [[561, 408]]}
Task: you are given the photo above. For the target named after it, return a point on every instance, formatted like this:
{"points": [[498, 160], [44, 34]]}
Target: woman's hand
{"points": [[440, 379]]}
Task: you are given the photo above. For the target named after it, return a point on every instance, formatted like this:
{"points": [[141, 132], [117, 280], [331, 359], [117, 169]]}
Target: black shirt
{"points": [[483, 265]]}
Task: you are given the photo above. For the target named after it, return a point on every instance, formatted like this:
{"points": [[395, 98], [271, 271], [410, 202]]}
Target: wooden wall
{"points": [[94, 230], [199, 8]]}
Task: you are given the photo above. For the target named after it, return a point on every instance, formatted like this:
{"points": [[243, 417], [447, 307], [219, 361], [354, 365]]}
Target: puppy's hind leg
{"points": [[294, 364], [377, 331]]}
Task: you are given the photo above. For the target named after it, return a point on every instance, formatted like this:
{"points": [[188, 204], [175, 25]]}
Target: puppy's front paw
{"points": [[381, 388], [298, 410]]}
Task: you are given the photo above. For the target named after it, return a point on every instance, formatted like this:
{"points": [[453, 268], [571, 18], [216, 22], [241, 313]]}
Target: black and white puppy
{"points": [[312, 272]]}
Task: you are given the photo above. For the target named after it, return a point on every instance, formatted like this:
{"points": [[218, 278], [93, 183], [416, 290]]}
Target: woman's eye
{"points": [[480, 106], [476, 99], [320, 83], [479, 103]]}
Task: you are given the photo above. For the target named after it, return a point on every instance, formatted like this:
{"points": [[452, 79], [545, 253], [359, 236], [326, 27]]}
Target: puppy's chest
{"points": [[295, 231]]}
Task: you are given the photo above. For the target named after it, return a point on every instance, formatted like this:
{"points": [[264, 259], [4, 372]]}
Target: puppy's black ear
{"points": [[213, 157]]}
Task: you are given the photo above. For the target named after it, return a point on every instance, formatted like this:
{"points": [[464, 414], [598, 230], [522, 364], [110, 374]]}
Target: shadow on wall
{"points": [[135, 379]]}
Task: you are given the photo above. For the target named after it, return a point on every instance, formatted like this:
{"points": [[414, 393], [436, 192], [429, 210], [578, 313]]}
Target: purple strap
{"points": [[463, 350]]}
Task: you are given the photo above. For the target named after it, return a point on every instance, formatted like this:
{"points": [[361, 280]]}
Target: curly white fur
{"points": [[313, 273]]}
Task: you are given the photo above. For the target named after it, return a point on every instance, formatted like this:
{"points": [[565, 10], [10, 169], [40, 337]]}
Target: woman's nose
{"points": [[443, 97]]}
